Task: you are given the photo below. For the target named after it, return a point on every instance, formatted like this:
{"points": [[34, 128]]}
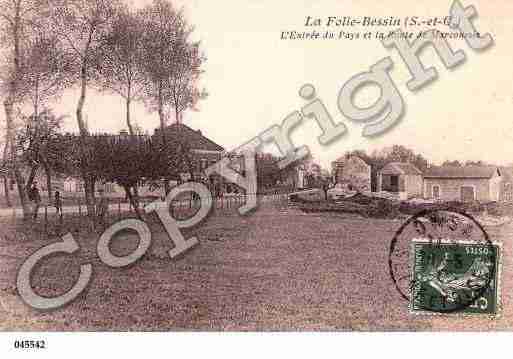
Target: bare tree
{"points": [[184, 92], [17, 17], [81, 25], [164, 46], [37, 140], [120, 64], [47, 69], [45, 74], [120, 69], [172, 63], [4, 169]]}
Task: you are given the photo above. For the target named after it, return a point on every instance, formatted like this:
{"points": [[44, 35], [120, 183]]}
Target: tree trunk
{"points": [[6, 177], [128, 120], [20, 182], [36, 100], [167, 187], [132, 133], [161, 115], [136, 195], [84, 134], [48, 174], [6, 192], [32, 177], [9, 107], [133, 202]]}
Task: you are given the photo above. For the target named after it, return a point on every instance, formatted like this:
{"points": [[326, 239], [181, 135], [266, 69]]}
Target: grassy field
{"points": [[278, 269]]}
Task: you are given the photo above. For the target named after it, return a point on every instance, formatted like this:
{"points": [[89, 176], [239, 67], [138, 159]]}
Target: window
{"points": [[508, 195], [80, 187], [436, 192]]}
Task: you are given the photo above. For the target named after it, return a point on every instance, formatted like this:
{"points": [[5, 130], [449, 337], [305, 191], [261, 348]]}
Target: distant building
{"points": [[296, 176], [402, 178], [352, 170], [506, 194], [466, 184], [315, 170], [205, 151]]}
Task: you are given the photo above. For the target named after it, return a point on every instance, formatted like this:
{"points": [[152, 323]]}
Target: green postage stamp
{"points": [[455, 277]]}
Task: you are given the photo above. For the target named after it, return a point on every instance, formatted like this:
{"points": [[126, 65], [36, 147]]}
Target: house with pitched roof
{"points": [[465, 184], [352, 170], [205, 151], [402, 178]]}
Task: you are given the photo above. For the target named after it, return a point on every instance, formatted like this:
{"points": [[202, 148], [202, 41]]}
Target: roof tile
{"points": [[195, 139], [460, 172]]}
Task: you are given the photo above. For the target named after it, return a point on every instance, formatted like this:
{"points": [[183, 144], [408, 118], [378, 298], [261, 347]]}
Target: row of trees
{"points": [[128, 161], [50, 46]]}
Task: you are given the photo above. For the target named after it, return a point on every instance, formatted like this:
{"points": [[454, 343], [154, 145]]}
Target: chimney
{"points": [[199, 131]]}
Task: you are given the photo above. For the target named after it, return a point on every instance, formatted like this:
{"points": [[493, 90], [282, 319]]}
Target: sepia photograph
{"points": [[271, 167]]}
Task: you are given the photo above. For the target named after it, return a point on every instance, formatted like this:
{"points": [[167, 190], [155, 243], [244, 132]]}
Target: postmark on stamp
{"points": [[443, 261], [454, 277]]}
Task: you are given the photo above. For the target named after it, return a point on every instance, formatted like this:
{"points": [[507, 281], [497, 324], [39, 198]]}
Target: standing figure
{"points": [[35, 196], [102, 207], [325, 188], [58, 202]]}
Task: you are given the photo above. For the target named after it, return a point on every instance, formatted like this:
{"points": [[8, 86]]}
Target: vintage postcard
{"points": [[297, 166]]}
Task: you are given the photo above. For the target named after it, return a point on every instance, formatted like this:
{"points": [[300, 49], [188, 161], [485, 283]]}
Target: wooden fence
{"points": [[120, 209]]}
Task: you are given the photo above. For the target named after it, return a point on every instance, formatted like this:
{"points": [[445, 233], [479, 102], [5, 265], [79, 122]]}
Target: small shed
{"points": [[465, 184], [402, 178]]}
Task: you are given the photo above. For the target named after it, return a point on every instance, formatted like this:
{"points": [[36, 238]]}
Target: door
{"points": [[394, 183], [467, 194]]}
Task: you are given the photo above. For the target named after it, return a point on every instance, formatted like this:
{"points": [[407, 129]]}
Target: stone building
{"points": [[465, 184], [205, 152], [402, 178], [354, 171]]}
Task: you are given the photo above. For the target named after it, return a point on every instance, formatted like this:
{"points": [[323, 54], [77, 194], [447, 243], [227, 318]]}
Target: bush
{"points": [[500, 209], [361, 199], [414, 208], [275, 190], [468, 207], [497, 209], [383, 208]]}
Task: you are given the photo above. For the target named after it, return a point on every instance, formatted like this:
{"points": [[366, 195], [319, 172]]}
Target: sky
{"points": [[253, 78]]}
